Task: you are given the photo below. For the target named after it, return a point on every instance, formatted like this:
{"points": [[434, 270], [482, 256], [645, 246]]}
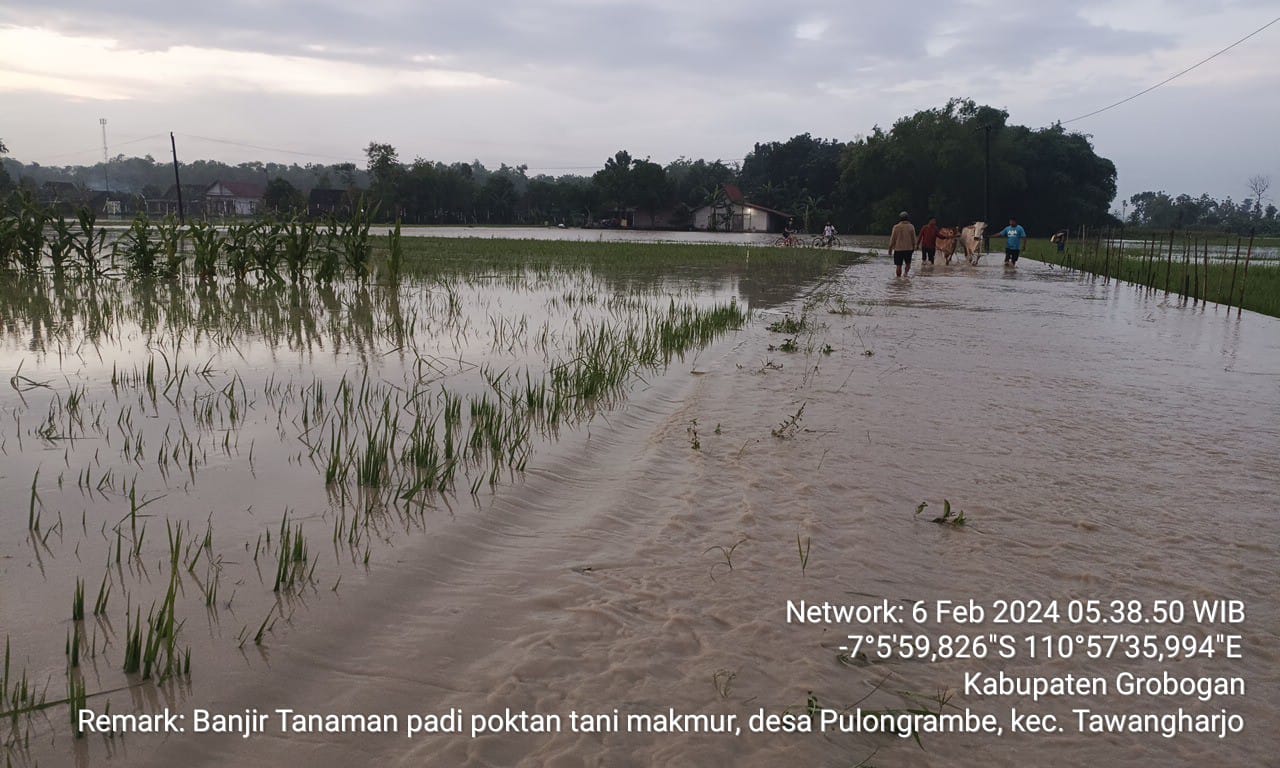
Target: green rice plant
{"points": [[726, 553], [73, 645], [133, 643], [77, 698], [104, 592], [262, 629], [77, 601], [33, 513], [291, 557], [17, 695], [156, 652], [790, 325], [948, 517], [803, 548]]}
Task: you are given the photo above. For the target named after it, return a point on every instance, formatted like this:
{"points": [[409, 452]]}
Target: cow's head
{"points": [[979, 227]]}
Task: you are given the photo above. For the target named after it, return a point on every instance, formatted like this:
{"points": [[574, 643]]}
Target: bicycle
{"points": [[789, 241], [822, 241]]}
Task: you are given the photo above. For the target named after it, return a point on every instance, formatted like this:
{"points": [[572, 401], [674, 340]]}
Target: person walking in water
{"points": [[902, 245], [1013, 246], [928, 241]]}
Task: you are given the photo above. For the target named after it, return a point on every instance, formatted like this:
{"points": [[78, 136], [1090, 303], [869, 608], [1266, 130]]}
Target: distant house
{"points": [[233, 198], [167, 205], [734, 213], [112, 203], [328, 202], [62, 196]]}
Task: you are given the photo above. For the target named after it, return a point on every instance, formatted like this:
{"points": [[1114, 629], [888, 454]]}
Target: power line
{"points": [[1174, 77], [95, 149], [265, 149]]}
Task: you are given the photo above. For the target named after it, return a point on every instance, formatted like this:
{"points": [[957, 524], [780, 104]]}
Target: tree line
{"points": [[931, 163], [1162, 211]]}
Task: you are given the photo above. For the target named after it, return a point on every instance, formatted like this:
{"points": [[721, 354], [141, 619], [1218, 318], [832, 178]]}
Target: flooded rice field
{"points": [[581, 489]]}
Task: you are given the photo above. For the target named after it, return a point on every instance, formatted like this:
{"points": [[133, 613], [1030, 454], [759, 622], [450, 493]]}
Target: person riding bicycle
{"points": [[828, 233], [789, 230]]}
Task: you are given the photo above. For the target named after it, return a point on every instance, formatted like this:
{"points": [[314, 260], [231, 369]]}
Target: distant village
{"points": [[221, 199]]}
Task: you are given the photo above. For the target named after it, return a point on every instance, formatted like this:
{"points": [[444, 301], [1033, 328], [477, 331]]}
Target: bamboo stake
{"points": [[1244, 276], [1234, 266]]}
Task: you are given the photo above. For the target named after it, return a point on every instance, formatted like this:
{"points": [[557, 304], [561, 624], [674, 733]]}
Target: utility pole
{"points": [[177, 180], [106, 160], [986, 187]]}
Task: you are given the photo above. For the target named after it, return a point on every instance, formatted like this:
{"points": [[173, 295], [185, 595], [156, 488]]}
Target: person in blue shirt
{"points": [[1013, 246]]}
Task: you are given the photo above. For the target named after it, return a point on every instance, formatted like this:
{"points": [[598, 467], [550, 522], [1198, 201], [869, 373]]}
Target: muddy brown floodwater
{"points": [[1103, 443]]}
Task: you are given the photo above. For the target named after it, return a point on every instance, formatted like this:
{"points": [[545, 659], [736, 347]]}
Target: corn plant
{"points": [[207, 243], [140, 251]]}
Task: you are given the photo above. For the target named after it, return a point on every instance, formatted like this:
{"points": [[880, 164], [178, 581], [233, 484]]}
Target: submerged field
{"points": [[198, 459], [584, 476]]}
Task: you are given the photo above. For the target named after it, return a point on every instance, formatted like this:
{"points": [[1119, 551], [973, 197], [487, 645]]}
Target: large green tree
{"points": [[932, 164], [6, 183], [283, 198], [789, 174]]}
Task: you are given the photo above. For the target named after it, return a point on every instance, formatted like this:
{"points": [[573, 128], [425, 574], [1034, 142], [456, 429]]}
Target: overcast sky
{"points": [[562, 84]]}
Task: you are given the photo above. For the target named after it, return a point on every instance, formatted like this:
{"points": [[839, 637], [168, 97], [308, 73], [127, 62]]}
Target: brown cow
{"points": [[947, 243]]}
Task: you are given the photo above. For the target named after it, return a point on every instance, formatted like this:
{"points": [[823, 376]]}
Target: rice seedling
{"points": [[77, 601], [803, 548], [33, 513], [726, 553], [291, 558], [104, 591], [17, 695], [692, 431], [264, 627], [722, 681], [77, 696], [790, 325], [948, 516], [790, 426]]}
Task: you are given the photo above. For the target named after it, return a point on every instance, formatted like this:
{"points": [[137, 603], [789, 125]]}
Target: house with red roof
{"points": [[233, 198], [730, 211]]}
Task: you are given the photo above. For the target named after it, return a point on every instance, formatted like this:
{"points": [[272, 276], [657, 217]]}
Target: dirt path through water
{"points": [[1103, 444]]}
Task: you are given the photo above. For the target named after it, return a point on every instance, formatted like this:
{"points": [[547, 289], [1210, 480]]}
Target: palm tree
{"points": [[807, 206], [717, 199]]}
